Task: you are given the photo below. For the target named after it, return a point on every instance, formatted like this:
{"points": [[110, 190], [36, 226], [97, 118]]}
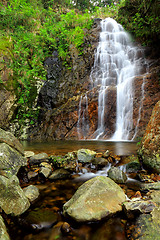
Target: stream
{"points": [[53, 195]]}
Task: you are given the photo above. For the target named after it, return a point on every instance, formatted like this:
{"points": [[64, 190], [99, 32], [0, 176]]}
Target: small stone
{"points": [[59, 174], [29, 154], [65, 228], [31, 192], [45, 171], [117, 175], [38, 158]]}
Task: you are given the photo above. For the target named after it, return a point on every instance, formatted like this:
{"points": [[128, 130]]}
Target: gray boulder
{"points": [[117, 175], [12, 198], [11, 140], [95, 199], [10, 159], [3, 231], [85, 155], [31, 192], [38, 158]]}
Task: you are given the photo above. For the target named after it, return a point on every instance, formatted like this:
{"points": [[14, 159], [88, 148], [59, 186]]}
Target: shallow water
{"points": [[62, 147], [53, 195]]}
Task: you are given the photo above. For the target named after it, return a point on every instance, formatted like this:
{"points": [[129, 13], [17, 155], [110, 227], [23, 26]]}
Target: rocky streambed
{"points": [[80, 195]]}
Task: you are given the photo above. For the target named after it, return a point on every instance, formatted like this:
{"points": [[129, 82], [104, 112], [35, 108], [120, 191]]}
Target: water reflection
{"points": [[62, 147]]}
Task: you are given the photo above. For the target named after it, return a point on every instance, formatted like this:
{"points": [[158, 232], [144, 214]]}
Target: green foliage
{"points": [[30, 33], [141, 17]]}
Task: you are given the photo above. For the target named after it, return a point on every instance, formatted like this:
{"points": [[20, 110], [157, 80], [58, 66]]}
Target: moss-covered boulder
{"points": [[147, 226], [12, 198], [10, 160], [3, 230], [85, 155], [11, 140], [95, 199], [150, 149], [117, 175]]}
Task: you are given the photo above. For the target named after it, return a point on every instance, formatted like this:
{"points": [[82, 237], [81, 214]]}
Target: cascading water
{"points": [[83, 123], [115, 66]]}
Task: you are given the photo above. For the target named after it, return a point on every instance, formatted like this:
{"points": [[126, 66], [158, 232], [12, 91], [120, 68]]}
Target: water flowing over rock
{"points": [[95, 199], [106, 95]]}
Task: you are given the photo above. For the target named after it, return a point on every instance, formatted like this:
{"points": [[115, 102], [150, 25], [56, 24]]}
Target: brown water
{"points": [[63, 147]]}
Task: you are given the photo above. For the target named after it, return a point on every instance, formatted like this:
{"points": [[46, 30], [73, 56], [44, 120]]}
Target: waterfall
{"points": [[83, 122], [115, 66]]}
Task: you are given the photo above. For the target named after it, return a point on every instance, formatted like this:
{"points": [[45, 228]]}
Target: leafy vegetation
{"points": [[32, 29], [141, 17]]}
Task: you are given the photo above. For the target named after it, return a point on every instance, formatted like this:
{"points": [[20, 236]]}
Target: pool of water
{"points": [[62, 147]]}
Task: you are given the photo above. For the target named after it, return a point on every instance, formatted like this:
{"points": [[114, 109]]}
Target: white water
{"points": [[116, 64], [83, 123]]}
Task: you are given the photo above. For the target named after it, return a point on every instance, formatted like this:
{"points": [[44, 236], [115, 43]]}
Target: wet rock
{"points": [[85, 155], [147, 226], [12, 198], [3, 230], [150, 150], [133, 166], [65, 228], [134, 207], [45, 171], [59, 174], [39, 219], [155, 196], [95, 199], [38, 158], [63, 162], [28, 154], [100, 161], [117, 175], [31, 192], [32, 174], [11, 140], [10, 159], [150, 186]]}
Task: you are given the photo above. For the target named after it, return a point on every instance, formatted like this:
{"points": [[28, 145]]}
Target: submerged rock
{"points": [[3, 230], [12, 198], [10, 159], [117, 175], [95, 199]]}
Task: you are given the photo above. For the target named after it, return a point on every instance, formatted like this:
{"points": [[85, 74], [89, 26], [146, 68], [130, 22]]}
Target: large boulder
{"points": [[10, 160], [3, 230], [12, 198], [150, 150], [147, 226], [95, 199], [11, 140]]}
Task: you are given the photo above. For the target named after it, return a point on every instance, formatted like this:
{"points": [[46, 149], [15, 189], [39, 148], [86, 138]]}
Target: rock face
{"points": [[150, 150], [94, 200], [69, 101], [12, 198]]}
